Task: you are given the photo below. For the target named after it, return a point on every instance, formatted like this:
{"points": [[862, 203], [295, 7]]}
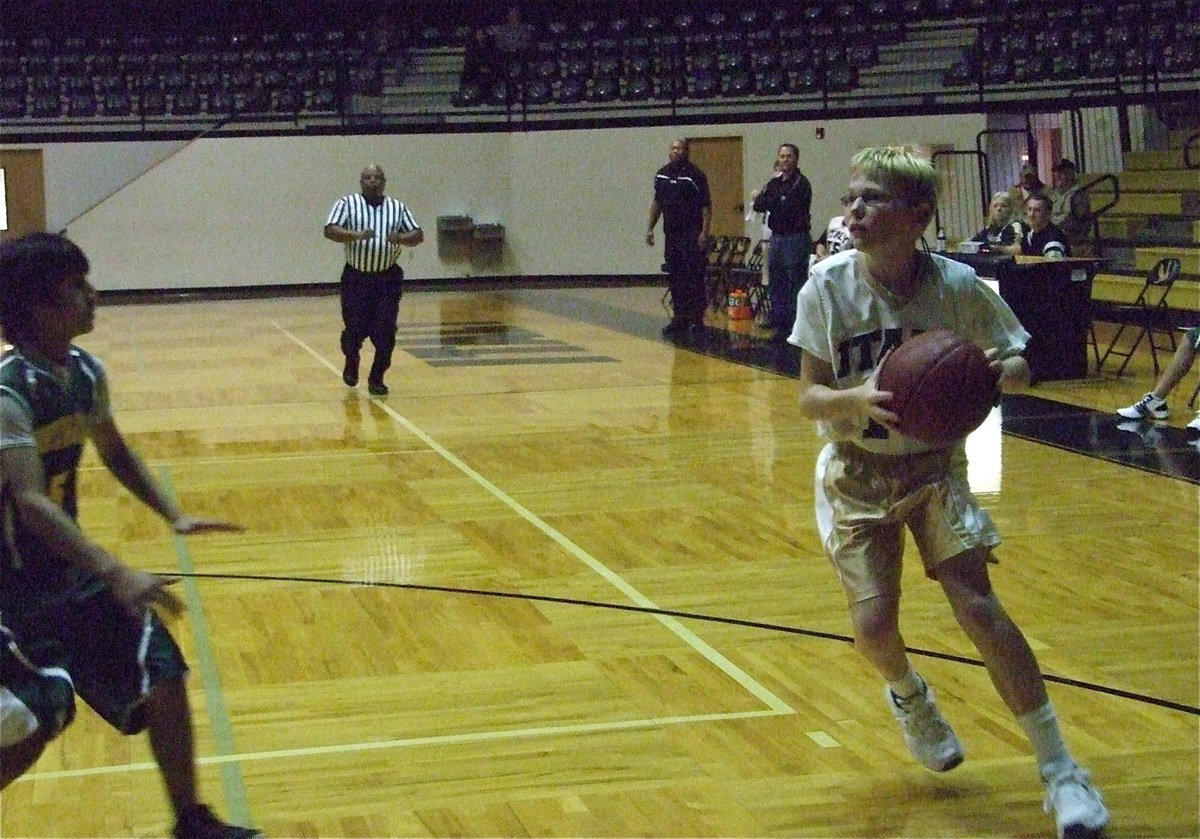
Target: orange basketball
{"points": [[942, 386]]}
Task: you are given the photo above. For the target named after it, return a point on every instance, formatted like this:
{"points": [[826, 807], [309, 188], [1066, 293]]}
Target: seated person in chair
{"points": [[1040, 237], [1002, 234]]}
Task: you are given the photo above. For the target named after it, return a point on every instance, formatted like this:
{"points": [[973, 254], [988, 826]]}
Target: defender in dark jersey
{"points": [[66, 603]]}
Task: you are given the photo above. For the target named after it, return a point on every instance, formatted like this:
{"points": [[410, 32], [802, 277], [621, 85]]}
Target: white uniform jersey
{"points": [[844, 318], [837, 236]]}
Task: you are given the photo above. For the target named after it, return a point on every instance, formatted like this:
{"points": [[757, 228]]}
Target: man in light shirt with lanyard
{"points": [[373, 229]]}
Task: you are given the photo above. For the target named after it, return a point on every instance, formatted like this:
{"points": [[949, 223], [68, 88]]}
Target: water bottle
{"points": [[941, 241]]}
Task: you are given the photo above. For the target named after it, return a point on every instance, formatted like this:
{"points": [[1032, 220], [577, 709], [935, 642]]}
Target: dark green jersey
{"points": [[54, 412]]}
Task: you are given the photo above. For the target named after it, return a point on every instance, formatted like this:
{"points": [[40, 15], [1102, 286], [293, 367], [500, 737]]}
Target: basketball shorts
{"points": [[113, 658], [32, 698], [864, 502]]}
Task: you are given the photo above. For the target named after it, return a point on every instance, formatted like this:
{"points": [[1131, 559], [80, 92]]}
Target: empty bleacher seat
{"points": [[47, 105], [637, 88], [12, 106], [152, 103], [116, 103], [185, 102]]}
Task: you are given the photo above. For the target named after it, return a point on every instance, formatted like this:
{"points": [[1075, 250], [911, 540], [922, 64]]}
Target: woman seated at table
{"points": [[1002, 234]]}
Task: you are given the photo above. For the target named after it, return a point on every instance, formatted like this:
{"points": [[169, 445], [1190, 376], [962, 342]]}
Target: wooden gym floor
{"points": [[565, 581]]}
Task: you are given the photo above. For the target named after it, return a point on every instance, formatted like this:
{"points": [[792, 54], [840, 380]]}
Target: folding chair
{"points": [[735, 260], [718, 253], [1149, 315]]}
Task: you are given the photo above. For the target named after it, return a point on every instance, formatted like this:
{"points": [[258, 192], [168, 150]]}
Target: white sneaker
{"points": [[926, 733], [1193, 427], [1148, 407], [1078, 807]]}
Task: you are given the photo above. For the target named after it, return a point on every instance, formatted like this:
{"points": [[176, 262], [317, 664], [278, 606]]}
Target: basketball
{"points": [[942, 386]]}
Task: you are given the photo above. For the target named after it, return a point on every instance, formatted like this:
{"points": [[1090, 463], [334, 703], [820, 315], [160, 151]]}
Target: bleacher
{"points": [[301, 65], [1022, 42]]}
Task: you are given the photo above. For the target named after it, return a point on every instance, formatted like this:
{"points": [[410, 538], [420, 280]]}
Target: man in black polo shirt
{"points": [[681, 198], [1041, 237], [787, 200], [373, 228]]}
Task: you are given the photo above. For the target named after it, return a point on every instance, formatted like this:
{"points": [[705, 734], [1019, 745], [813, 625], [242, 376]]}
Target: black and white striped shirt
{"points": [[374, 254]]}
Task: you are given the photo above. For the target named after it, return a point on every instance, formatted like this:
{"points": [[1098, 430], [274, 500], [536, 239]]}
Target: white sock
{"points": [[908, 685], [1041, 727]]}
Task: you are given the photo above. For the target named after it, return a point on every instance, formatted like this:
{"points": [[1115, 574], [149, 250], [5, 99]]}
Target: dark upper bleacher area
{"points": [[131, 60], [676, 52], [139, 63], [1023, 41]]}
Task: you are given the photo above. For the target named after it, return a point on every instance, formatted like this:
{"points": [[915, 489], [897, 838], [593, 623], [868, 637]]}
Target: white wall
{"points": [[249, 211]]}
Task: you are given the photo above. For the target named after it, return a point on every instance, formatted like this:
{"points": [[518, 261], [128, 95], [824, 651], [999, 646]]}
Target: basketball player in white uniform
{"points": [[872, 482]]}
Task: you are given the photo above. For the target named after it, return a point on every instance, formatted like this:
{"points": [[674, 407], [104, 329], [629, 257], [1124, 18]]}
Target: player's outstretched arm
{"points": [[129, 469]]}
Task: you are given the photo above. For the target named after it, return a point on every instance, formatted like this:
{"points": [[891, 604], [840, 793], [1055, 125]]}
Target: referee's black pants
{"points": [[370, 306]]}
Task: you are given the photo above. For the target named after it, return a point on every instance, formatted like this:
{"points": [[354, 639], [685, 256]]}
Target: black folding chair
{"points": [[1150, 315]]}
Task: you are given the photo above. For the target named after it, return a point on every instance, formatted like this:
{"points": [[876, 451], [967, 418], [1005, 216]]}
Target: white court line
{"points": [[414, 742], [718, 660]]}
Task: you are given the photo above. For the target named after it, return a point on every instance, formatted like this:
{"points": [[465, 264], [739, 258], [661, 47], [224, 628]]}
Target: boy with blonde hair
{"points": [[872, 481]]}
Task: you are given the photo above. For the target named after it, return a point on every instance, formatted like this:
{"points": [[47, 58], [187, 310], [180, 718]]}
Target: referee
{"points": [[373, 228]]}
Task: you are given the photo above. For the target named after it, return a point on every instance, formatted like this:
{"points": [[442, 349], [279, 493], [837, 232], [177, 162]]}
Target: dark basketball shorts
{"points": [[114, 659]]}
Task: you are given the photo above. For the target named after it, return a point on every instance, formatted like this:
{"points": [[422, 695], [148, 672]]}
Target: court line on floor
{"points": [[717, 659], [430, 740], [236, 799]]}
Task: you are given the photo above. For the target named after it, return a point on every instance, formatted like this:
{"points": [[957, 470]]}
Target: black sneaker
{"points": [[200, 823], [377, 388], [350, 372]]}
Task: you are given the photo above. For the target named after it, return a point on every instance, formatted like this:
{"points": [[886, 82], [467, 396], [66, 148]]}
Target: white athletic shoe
{"points": [[1078, 807], [926, 733], [1148, 407], [1193, 427]]}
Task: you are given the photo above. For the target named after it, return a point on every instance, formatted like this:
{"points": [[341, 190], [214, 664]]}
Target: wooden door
{"points": [[24, 192], [721, 160]]}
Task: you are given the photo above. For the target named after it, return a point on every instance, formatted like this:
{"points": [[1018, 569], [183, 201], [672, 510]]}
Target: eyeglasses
{"points": [[871, 199]]}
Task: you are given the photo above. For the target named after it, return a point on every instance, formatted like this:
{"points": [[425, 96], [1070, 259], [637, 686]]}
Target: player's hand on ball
{"points": [[876, 402]]}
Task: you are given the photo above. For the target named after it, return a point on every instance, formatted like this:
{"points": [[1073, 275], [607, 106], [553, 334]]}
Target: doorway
{"points": [[720, 158], [24, 192]]}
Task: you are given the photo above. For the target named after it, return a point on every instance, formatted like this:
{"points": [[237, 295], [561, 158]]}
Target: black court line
{"points": [[1149, 447], [1143, 698]]}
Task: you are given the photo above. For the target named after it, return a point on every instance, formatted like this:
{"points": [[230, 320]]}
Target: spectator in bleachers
{"points": [[1028, 183], [1040, 237], [512, 37], [482, 61], [1002, 234], [1070, 210]]}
